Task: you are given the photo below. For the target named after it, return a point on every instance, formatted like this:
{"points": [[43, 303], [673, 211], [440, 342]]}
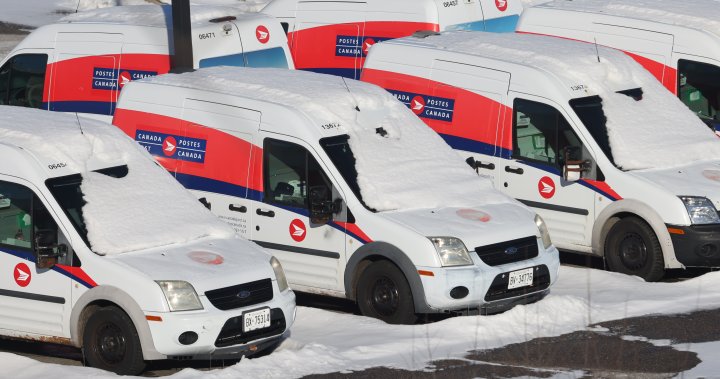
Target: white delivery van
{"points": [[333, 37], [81, 63], [101, 249], [349, 190], [677, 41], [614, 163]]}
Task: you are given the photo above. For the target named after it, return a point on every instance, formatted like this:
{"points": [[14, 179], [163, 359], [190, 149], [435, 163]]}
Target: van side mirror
{"points": [[47, 249], [321, 207], [573, 169]]}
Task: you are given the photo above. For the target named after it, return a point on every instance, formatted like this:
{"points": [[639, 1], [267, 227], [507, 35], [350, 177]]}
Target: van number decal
{"points": [[432, 107], [172, 146], [206, 35], [354, 46], [450, 3], [112, 79]]}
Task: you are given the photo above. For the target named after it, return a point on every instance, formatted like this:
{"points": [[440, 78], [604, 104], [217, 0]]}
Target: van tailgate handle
{"points": [[236, 208], [514, 170], [261, 212]]}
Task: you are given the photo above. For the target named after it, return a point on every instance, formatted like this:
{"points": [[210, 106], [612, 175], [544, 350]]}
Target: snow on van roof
{"points": [[144, 209], [697, 14], [638, 131], [151, 15], [411, 167]]}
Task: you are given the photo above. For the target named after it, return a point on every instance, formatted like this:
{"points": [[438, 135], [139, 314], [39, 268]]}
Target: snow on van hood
{"points": [[699, 179], [655, 132], [698, 14], [410, 167], [148, 15], [146, 208], [207, 264], [476, 226]]}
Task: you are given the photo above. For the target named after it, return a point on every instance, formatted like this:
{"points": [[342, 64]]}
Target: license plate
{"points": [[520, 278], [256, 320]]}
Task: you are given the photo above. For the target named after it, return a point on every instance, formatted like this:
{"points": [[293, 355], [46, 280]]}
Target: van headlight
{"points": [[180, 295], [700, 209], [279, 274], [544, 234], [452, 251]]}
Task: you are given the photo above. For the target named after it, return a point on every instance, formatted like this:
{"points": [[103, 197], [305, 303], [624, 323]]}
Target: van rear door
{"points": [[86, 75], [466, 98], [216, 158], [328, 37]]}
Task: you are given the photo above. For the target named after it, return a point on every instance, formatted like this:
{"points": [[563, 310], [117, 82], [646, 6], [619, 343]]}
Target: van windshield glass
{"points": [[66, 191], [338, 149], [590, 111]]}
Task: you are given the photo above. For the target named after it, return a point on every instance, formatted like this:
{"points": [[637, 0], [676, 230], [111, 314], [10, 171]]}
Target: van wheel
{"points": [[384, 293], [110, 342], [632, 248]]}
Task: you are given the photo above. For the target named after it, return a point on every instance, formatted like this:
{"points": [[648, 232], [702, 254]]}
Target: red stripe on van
{"points": [[316, 47], [604, 188], [76, 80], [355, 230], [226, 157], [79, 274], [472, 113]]}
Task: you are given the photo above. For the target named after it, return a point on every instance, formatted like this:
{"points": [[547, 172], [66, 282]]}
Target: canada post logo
{"points": [[112, 79], [172, 146], [355, 46], [432, 107]]}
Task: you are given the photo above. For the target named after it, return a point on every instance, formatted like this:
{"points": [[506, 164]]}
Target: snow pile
{"points": [[697, 14], [150, 15], [409, 168], [83, 5], [327, 341], [146, 208], [640, 132]]}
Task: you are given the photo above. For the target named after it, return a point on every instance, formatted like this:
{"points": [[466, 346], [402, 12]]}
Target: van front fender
{"points": [[126, 303], [604, 222]]}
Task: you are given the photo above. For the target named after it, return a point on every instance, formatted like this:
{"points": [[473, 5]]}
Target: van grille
{"points": [[242, 295], [499, 287], [508, 251], [231, 333]]}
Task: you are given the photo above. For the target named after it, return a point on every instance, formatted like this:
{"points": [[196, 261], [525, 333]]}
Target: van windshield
{"points": [[590, 111], [338, 149], [66, 191]]}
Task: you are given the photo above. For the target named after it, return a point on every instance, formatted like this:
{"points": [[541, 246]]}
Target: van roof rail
{"points": [[425, 33]]}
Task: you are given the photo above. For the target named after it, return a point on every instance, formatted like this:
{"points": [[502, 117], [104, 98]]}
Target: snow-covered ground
{"points": [[322, 341]]}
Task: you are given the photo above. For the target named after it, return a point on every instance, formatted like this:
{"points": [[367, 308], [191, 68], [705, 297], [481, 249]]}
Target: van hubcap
{"points": [[385, 296], [111, 343], [633, 251]]}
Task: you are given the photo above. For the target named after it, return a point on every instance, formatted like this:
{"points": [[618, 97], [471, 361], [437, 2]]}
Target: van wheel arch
{"points": [[363, 257], [105, 296], [645, 235]]}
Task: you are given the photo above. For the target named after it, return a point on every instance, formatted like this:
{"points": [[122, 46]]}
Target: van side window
{"points": [[699, 89], [289, 173], [15, 215], [22, 80], [541, 133]]}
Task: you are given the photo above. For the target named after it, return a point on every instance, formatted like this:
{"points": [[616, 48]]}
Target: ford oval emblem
{"points": [[511, 250], [243, 295]]}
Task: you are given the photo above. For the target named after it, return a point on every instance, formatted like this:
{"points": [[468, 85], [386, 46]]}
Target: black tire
{"points": [[632, 248], [384, 293], [111, 342]]}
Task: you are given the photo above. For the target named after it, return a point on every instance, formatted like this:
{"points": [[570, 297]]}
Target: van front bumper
{"points": [[696, 245], [219, 333], [487, 286]]}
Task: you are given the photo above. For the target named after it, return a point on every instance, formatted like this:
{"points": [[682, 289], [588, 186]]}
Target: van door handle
{"points": [[261, 212], [235, 208], [514, 170], [487, 166]]}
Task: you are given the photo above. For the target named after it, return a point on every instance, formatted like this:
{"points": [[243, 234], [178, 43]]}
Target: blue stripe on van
{"points": [[274, 57], [505, 24], [345, 72], [466, 144], [28, 256], [93, 107]]}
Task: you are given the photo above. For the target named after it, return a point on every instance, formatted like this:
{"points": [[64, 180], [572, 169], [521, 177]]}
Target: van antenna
{"points": [[357, 107], [597, 51], [79, 123], [78, 7]]}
